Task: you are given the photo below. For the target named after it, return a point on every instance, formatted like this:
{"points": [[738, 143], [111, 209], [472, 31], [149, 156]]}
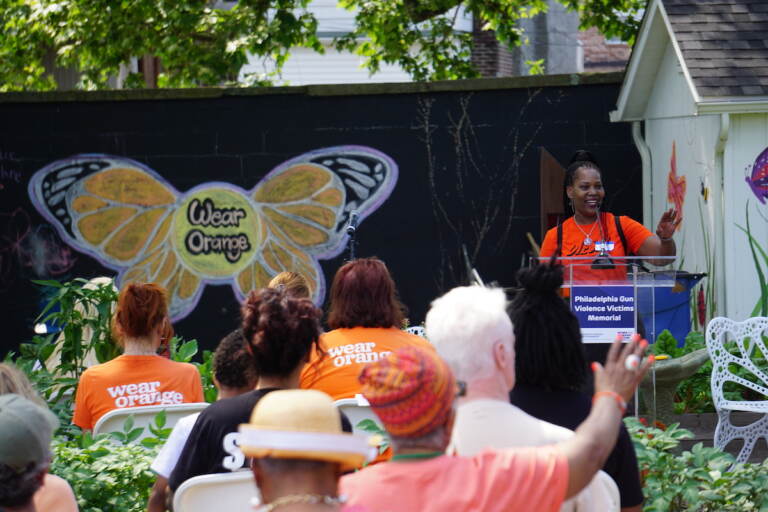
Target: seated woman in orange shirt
{"points": [[589, 225], [139, 376], [366, 317]]}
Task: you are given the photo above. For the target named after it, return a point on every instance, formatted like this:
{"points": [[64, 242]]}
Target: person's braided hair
{"points": [[549, 351], [281, 330]]}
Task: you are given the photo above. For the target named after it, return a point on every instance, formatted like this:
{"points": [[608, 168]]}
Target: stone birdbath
{"points": [[669, 373]]}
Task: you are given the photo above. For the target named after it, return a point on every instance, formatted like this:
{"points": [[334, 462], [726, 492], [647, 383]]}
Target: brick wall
{"points": [[600, 55], [489, 57]]}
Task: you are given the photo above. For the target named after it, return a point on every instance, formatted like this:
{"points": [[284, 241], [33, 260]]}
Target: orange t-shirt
{"points": [[132, 381], [573, 245], [346, 352], [532, 479]]}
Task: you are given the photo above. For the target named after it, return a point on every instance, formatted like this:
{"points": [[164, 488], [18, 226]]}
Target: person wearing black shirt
{"points": [[280, 331], [551, 370]]}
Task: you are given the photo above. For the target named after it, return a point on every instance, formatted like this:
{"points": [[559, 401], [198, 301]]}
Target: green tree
{"points": [[199, 44]]}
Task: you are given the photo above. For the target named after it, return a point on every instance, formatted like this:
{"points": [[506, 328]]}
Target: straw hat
{"points": [[302, 424]]}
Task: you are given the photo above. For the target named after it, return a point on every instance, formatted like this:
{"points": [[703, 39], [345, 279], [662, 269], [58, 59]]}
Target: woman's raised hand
{"points": [[668, 224], [624, 367]]}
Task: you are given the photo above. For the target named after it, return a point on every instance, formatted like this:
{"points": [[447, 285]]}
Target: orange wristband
{"points": [[619, 401]]}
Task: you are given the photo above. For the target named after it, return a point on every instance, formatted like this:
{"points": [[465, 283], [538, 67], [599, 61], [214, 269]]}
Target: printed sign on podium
{"points": [[604, 311]]}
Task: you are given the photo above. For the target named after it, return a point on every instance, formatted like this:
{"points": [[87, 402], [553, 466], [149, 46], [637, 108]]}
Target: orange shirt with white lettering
{"points": [[133, 381], [346, 352]]}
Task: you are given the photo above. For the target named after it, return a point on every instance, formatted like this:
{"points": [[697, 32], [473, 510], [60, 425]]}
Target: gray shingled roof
{"points": [[724, 44]]}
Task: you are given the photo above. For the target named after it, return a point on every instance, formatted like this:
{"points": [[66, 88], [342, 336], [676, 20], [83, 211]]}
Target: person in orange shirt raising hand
{"points": [[580, 235], [366, 317]]}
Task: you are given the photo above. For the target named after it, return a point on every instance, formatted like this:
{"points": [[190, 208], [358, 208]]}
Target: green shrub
{"points": [[106, 477], [699, 479], [694, 394]]}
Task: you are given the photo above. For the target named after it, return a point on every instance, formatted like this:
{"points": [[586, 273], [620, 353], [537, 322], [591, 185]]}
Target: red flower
{"points": [[675, 186]]}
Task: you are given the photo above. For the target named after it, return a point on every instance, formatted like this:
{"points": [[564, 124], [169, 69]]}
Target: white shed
{"points": [[696, 91]]}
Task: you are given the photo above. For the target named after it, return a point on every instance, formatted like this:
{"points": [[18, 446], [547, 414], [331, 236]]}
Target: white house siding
{"points": [[670, 96], [305, 67], [694, 139], [748, 138], [669, 121]]}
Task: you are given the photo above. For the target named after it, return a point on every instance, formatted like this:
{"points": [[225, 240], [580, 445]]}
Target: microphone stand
{"points": [[352, 232]]}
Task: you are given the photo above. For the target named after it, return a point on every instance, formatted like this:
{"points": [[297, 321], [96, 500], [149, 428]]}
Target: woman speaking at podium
{"points": [[599, 239], [603, 236]]}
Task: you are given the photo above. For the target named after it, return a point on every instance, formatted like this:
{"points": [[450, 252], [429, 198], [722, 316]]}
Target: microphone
{"points": [[352, 226]]}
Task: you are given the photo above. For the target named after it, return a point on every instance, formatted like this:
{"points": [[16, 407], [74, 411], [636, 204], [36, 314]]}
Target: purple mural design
{"points": [[758, 178]]}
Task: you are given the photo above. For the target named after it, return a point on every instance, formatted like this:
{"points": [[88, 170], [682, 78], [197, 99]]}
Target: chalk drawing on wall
{"points": [[675, 186], [36, 249], [758, 178], [132, 220]]}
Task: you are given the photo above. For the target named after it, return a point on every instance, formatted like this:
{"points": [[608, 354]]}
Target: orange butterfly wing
{"points": [[120, 212], [304, 206]]}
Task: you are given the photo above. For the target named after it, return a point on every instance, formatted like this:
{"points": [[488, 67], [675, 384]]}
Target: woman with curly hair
{"points": [[280, 331]]}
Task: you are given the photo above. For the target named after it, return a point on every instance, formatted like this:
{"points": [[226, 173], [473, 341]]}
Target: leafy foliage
{"points": [[694, 394], [201, 44], [699, 479], [106, 477], [380, 435], [83, 314], [110, 473], [761, 308], [77, 309], [196, 43]]}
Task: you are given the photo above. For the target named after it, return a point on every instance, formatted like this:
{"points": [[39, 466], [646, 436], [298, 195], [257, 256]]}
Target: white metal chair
{"points": [[357, 409], [230, 492], [734, 345], [144, 416]]}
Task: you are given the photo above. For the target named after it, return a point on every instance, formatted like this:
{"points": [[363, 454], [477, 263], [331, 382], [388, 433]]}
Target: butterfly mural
{"points": [[675, 186], [758, 179], [129, 218]]}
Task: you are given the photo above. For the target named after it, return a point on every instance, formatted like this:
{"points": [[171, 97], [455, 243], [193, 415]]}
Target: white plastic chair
{"points": [[357, 409], [735, 344], [230, 492], [144, 416]]}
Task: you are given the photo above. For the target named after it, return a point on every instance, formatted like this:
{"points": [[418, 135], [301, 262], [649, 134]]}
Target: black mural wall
{"points": [[467, 155]]}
